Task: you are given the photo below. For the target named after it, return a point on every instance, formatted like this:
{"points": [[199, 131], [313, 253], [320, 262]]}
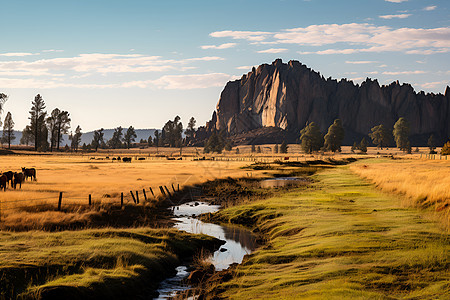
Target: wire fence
{"points": [[139, 196]]}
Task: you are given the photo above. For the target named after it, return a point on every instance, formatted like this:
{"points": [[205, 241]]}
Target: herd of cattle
{"points": [[16, 178]]}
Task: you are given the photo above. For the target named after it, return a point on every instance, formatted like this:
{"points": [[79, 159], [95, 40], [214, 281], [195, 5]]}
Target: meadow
{"points": [[339, 238]]}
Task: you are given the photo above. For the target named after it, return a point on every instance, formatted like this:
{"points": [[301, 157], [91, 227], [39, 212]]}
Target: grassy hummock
{"points": [[95, 263], [339, 238]]}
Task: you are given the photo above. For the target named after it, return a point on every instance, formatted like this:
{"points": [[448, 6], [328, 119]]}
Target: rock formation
{"points": [[287, 96]]}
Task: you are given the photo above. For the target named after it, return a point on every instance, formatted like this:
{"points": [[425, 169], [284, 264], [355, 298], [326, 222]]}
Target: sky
{"points": [[140, 63]]}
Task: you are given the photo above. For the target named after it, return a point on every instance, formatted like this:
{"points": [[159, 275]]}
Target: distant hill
{"points": [[87, 136]]}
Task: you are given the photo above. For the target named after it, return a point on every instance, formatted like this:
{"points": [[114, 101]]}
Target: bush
{"points": [[446, 149]]}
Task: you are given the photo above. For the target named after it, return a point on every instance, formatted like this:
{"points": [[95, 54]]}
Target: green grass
{"points": [[340, 238], [106, 263]]}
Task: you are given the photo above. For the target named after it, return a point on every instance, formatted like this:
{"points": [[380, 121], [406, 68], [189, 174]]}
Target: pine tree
{"points": [[37, 126], [446, 149], [380, 136], [284, 147], [432, 144], [363, 145], [311, 138], [275, 148], [401, 133], [334, 136], [8, 130], [129, 136], [97, 140]]}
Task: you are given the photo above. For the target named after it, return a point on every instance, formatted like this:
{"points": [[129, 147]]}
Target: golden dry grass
{"points": [[424, 183], [79, 176]]}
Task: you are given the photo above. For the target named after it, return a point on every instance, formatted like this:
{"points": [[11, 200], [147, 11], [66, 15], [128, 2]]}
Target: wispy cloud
{"points": [[53, 50], [360, 62], [18, 54], [434, 84], [359, 37], [244, 67], [219, 47], [246, 35], [396, 1], [183, 82], [399, 16], [403, 72], [431, 7], [273, 50]]}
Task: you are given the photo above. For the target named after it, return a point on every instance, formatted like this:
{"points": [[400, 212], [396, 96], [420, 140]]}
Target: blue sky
{"points": [[140, 63]]}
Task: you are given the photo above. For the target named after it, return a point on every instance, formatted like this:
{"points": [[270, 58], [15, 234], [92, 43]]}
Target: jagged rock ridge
{"points": [[287, 96]]}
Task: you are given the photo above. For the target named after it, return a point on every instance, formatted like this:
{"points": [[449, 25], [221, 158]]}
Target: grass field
{"points": [[340, 238], [103, 263], [422, 183]]}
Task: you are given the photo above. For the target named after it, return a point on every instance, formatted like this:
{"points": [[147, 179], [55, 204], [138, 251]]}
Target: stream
{"points": [[238, 243]]}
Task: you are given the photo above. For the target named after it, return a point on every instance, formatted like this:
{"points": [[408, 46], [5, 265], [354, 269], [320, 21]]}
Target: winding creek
{"points": [[238, 243]]}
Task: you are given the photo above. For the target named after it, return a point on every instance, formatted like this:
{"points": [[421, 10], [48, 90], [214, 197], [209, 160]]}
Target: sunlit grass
{"points": [[340, 238], [423, 183], [91, 261]]}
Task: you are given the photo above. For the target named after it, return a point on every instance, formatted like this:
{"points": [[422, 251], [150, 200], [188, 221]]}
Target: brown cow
{"points": [[18, 179], [31, 172], [3, 181], [9, 175]]}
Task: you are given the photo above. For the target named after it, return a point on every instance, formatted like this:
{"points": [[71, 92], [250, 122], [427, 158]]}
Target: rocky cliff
{"points": [[287, 96]]}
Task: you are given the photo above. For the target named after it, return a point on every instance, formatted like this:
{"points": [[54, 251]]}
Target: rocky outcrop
{"points": [[287, 96]]}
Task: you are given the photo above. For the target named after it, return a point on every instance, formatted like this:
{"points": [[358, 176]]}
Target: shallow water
{"points": [[238, 243], [282, 181]]}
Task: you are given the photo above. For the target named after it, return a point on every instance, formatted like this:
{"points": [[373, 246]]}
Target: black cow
{"points": [[3, 181], [9, 175], [18, 179], [126, 159], [31, 172]]}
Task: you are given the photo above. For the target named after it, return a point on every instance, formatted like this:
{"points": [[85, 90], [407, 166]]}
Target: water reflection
{"points": [[238, 243]]}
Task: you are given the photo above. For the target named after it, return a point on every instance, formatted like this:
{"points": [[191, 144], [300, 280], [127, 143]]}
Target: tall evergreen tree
{"points": [[76, 139], [97, 140], [311, 138], [27, 136], [380, 136], [116, 141], [431, 143], [334, 137], [190, 129], [172, 132], [157, 140], [3, 99], [401, 134], [214, 143], [284, 147], [129, 136], [8, 130], [275, 148], [62, 125], [37, 126]]}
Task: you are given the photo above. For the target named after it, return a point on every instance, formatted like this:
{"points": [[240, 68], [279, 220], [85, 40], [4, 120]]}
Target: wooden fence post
{"points": [[145, 195], [178, 187], [121, 199], [152, 192], [59, 201], [137, 197], [173, 188], [162, 191], [132, 196], [90, 200], [167, 190]]}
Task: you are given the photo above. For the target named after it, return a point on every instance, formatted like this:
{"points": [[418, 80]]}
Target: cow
{"points": [[126, 159], [18, 179], [3, 181], [29, 173], [9, 175]]}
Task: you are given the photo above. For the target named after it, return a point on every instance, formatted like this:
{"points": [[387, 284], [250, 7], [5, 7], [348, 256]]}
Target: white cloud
{"points": [[399, 16], [396, 1], [273, 50], [244, 67], [362, 37], [360, 62], [185, 82], [219, 47], [431, 7], [27, 83], [205, 58], [18, 54], [404, 72], [52, 50], [434, 85], [246, 35]]}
